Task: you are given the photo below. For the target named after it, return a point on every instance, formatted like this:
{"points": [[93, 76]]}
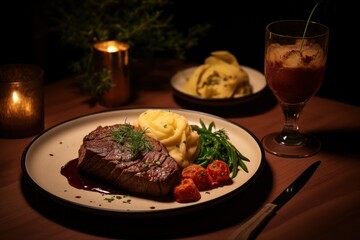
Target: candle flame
{"points": [[15, 97], [19, 105], [112, 49]]}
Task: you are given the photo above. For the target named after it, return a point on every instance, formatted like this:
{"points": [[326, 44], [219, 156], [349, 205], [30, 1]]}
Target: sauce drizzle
{"points": [[80, 181]]}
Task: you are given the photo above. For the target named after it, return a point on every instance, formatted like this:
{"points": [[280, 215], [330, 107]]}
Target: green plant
{"points": [[146, 25]]}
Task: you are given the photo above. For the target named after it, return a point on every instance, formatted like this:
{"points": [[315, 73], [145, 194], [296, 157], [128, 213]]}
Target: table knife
{"points": [[249, 228]]}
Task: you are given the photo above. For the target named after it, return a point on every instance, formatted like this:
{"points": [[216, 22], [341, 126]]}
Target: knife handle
{"points": [[249, 227]]}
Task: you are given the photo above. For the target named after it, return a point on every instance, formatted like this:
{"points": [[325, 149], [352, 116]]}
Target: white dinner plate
{"points": [[44, 157], [177, 82]]}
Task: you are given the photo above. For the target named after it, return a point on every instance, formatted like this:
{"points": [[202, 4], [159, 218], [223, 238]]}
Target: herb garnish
{"points": [[216, 145], [307, 24], [136, 140]]}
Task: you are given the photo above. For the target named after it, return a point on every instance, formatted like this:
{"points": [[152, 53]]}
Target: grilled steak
{"points": [[151, 172]]}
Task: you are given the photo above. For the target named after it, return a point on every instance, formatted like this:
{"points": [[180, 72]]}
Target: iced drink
{"points": [[294, 74]]}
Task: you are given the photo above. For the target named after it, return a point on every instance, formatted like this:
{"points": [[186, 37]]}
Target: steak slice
{"points": [[152, 173]]}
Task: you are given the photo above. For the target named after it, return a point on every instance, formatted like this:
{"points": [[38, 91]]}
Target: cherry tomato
{"points": [[186, 191], [198, 174], [218, 173]]}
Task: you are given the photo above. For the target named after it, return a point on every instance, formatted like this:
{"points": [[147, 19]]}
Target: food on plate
{"points": [[196, 178], [215, 145], [123, 156], [158, 154], [221, 76], [198, 174], [218, 173], [173, 131], [186, 191]]}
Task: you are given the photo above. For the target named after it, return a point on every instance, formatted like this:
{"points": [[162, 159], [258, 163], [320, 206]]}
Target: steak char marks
{"points": [[151, 173]]}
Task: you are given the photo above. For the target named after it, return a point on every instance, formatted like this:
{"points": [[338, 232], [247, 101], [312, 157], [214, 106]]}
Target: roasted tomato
{"points": [[186, 191], [198, 174], [218, 173]]}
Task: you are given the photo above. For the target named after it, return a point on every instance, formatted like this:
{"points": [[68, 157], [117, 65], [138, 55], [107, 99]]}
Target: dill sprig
{"points": [[133, 138], [215, 145]]}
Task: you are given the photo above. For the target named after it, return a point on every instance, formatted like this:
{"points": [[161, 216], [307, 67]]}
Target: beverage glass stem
{"points": [[290, 134]]}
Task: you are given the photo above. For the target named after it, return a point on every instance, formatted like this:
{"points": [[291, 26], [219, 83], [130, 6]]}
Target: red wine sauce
{"points": [[83, 182]]}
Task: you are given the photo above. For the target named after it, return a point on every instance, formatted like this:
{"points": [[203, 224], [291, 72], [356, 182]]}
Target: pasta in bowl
{"points": [[218, 82], [221, 76]]}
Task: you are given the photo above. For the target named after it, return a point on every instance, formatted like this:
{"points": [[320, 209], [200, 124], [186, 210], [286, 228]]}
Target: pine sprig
{"points": [[98, 83]]}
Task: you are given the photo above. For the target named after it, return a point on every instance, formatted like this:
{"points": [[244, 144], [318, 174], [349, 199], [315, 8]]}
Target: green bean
{"points": [[216, 145]]}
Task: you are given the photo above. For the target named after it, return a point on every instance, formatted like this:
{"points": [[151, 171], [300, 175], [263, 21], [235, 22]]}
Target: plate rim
{"points": [[216, 101], [151, 213]]}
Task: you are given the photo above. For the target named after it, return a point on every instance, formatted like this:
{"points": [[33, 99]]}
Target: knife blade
{"points": [[250, 227]]}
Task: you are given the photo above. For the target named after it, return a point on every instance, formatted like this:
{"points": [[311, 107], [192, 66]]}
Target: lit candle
{"points": [[19, 106], [114, 57], [21, 100], [111, 49]]}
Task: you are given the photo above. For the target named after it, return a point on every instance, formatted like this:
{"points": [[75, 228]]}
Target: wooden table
{"points": [[327, 207]]}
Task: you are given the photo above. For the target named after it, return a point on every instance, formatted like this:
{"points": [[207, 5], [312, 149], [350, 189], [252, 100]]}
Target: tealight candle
{"points": [[114, 57], [21, 100]]}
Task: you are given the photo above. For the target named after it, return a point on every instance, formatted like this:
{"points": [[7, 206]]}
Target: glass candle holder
{"points": [[21, 100], [113, 56]]}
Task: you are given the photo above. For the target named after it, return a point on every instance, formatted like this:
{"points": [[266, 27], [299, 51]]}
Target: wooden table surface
{"points": [[327, 207]]}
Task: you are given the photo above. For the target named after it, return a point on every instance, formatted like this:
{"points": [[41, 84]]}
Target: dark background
{"points": [[237, 26]]}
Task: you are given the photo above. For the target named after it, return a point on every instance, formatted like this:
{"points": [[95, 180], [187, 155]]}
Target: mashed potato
{"points": [[220, 76], [173, 131]]}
